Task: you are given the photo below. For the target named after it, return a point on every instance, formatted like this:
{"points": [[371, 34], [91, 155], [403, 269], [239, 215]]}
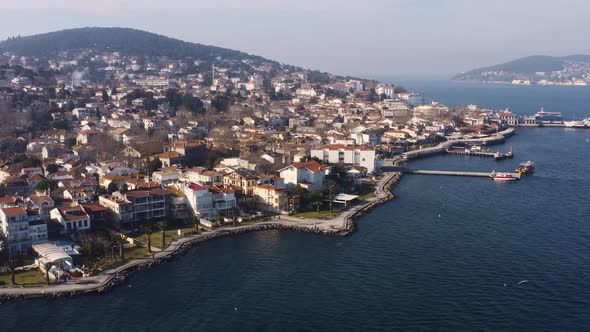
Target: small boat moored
{"points": [[505, 176], [526, 167]]}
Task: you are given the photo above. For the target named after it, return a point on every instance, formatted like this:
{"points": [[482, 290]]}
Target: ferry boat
{"points": [[582, 124], [548, 117], [526, 167], [505, 176]]}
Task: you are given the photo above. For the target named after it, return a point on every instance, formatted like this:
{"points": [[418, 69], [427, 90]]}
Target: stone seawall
{"points": [[115, 277]]}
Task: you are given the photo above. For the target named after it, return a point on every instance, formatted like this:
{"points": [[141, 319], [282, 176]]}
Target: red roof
{"points": [[195, 186], [16, 211]]}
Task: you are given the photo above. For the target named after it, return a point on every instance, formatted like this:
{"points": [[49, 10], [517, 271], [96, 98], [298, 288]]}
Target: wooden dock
{"points": [[448, 173]]}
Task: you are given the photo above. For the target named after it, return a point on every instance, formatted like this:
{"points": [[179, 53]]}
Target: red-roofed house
{"points": [[309, 175], [71, 218]]}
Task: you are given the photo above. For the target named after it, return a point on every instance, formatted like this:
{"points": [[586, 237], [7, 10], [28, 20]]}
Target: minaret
{"points": [[212, 74]]}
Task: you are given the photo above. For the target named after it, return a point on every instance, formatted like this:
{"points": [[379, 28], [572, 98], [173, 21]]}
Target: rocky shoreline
{"points": [[178, 248]]}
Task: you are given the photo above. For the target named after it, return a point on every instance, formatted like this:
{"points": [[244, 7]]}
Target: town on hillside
{"points": [[106, 157]]}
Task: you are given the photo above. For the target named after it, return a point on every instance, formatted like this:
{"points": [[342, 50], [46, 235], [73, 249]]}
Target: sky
{"points": [[367, 38]]}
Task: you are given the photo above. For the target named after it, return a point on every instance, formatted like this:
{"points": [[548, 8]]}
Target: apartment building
{"points": [[353, 155], [22, 228]]}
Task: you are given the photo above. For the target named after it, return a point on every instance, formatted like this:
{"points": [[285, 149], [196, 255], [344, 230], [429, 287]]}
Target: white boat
{"points": [[505, 176], [577, 124]]}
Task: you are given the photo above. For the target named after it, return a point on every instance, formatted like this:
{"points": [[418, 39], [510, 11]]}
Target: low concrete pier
{"points": [[448, 173]]}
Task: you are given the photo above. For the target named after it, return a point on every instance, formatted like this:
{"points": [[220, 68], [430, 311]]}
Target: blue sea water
{"points": [[572, 101], [449, 253]]}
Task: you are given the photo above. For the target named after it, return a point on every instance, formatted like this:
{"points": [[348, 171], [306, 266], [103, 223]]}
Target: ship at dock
{"points": [[503, 177], [526, 167], [548, 117], [581, 124]]}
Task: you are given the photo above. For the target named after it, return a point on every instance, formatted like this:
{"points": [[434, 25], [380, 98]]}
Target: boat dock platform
{"points": [[491, 154], [449, 173], [443, 173]]}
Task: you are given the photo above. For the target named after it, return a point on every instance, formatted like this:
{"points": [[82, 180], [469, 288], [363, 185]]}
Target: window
{"points": [[85, 223]]}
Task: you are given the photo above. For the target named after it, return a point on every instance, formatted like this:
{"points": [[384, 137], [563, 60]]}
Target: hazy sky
{"points": [[382, 38]]}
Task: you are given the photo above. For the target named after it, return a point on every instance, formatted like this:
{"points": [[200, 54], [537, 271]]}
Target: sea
{"points": [[448, 254]]}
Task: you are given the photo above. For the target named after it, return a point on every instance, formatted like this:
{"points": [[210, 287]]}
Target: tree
{"points": [[70, 142], [119, 241], [105, 96], [318, 204], [220, 103], [51, 168], [162, 224], [12, 265], [112, 188], [147, 229], [47, 266], [153, 165], [197, 221], [61, 124], [46, 185]]}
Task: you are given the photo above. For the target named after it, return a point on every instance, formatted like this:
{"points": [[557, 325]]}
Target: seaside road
{"points": [[340, 225]]}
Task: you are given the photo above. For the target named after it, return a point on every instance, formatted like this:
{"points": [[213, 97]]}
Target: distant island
{"points": [[572, 70]]}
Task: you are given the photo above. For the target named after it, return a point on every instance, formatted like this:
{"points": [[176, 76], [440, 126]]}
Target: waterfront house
{"points": [[72, 218], [309, 175]]}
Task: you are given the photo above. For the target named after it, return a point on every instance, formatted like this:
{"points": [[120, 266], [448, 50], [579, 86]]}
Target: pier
{"points": [[449, 173], [442, 147], [490, 154]]}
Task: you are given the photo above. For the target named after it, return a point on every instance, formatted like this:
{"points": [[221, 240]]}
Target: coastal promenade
{"points": [[342, 225]]}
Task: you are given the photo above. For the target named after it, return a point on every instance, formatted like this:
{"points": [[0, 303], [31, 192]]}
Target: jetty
{"points": [[497, 138], [497, 155]]}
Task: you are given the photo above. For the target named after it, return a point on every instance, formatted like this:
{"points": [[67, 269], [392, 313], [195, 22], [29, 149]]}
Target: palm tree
{"points": [[47, 266], [120, 241], [236, 213], [162, 226], [12, 265], [148, 230], [318, 204], [197, 222]]}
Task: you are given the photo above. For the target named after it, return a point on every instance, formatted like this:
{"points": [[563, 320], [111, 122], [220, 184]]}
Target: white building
{"points": [[22, 229], [309, 175], [71, 218], [355, 155], [200, 200], [386, 89], [165, 177]]}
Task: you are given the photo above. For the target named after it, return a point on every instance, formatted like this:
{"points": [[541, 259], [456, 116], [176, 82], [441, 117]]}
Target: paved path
{"points": [[99, 282]]}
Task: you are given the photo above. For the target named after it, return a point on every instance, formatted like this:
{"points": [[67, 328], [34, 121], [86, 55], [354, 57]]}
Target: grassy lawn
{"points": [[314, 214], [31, 277], [135, 252], [171, 234]]}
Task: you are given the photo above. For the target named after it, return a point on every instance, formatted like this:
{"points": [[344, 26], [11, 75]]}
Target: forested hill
{"points": [[527, 68], [124, 40]]}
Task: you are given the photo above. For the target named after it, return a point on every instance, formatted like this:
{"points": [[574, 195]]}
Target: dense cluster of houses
{"points": [[159, 142]]}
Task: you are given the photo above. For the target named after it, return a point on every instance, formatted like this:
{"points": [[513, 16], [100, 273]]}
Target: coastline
{"points": [[342, 225]]}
